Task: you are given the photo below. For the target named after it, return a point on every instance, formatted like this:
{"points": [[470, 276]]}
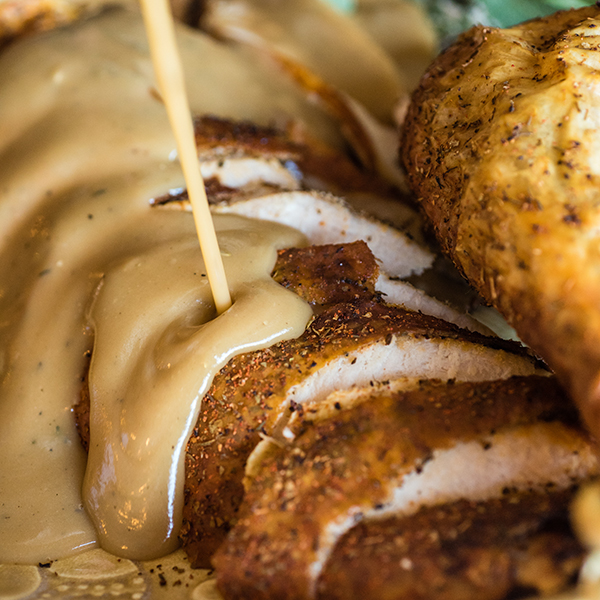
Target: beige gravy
{"points": [[85, 262]]}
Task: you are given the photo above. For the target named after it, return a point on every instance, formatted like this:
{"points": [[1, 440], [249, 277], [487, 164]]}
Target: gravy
{"points": [[85, 263]]}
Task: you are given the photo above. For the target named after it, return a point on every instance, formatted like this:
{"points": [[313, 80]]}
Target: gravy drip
{"points": [[84, 262]]}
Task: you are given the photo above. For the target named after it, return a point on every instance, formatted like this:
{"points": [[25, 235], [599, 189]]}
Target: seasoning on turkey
{"points": [[351, 343], [465, 550], [394, 450], [271, 174], [501, 145]]}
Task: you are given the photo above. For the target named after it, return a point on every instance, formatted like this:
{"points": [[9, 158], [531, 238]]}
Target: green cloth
{"points": [[453, 16], [347, 6]]}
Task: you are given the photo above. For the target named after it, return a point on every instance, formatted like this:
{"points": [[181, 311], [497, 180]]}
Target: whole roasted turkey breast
{"points": [[501, 144]]}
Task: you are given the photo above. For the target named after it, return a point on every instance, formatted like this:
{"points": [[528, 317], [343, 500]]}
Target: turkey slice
{"points": [[354, 340], [391, 452], [239, 158], [325, 219], [396, 291], [462, 550]]}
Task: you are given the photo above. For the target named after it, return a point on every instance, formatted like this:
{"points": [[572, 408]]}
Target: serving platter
{"points": [[97, 574]]}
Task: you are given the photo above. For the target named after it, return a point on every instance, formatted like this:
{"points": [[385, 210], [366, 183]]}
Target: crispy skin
{"points": [[501, 148], [318, 166], [519, 544], [249, 395], [327, 275], [242, 138], [344, 465]]}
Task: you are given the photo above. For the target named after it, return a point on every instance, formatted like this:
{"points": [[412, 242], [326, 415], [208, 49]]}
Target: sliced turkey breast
{"points": [[325, 219], [348, 344], [246, 159], [501, 548], [299, 31], [332, 471]]}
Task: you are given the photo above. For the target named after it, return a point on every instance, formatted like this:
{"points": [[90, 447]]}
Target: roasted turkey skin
{"points": [[501, 145]]}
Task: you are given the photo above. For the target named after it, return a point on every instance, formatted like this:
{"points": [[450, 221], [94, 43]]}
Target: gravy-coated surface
{"points": [[86, 264]]}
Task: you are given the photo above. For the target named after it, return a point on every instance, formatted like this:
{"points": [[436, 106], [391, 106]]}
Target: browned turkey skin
{"points": [[514, 546], [250, 398], [500, 145], [249, 395], [345, 465]]}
